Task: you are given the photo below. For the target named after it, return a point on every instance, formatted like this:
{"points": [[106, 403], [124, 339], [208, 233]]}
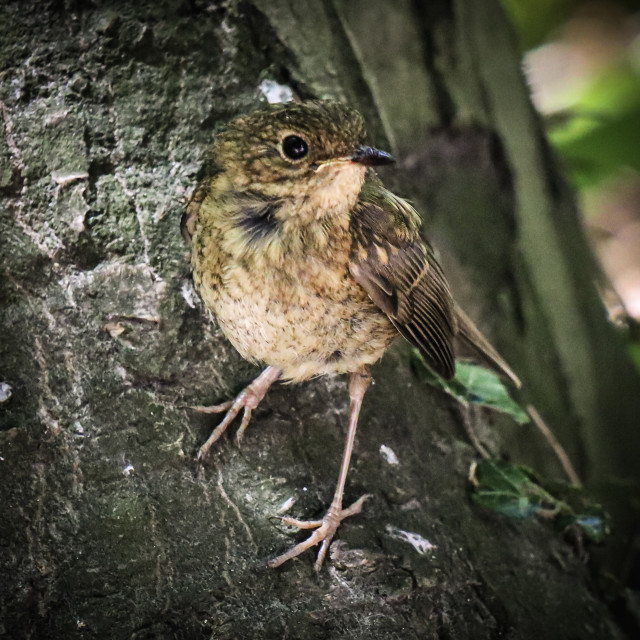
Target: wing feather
{"points": [[398, 270]]}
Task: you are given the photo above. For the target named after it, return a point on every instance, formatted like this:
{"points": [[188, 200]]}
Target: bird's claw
{"points": [[248, 399], [325, 530], [243, 400]]}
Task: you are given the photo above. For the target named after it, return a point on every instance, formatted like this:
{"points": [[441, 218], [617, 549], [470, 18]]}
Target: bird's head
{"points": [[298, 151]]}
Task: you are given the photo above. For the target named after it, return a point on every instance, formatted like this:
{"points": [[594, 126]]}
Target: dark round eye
{"points": [[294, 147]]}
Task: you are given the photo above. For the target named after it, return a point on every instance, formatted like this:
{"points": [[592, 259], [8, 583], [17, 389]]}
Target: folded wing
{"points": [[398, 270]]}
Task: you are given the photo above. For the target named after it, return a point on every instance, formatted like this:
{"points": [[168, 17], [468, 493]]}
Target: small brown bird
{"points": [[312, 267]]}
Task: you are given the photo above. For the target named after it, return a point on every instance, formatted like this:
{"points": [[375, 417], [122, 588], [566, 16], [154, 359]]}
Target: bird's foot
{"points": [[325, 529], [248, 399], [244, 400]]}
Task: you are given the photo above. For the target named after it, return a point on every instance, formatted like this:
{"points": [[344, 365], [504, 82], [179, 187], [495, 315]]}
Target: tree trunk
{"points": [[108, 530]]}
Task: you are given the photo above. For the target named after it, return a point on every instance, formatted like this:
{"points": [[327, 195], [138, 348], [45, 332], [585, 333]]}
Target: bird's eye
{"points": [[294, 147]]}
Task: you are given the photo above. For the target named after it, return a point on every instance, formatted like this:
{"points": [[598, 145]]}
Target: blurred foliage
{"points": [[602, 134], [597, 135], [515, 492], [536, 21]]}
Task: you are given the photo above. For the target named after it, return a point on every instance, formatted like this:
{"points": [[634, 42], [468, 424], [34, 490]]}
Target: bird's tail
{"points": [[471, 335]]}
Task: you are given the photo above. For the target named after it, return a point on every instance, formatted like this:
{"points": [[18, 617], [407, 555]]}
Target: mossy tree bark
{"points": [[107, 530]]}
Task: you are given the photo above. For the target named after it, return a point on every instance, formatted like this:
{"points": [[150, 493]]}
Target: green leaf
{"points": [[596, 139], [510, 490], [514, 491], [594, 527], [472, 384], [583, 513]]}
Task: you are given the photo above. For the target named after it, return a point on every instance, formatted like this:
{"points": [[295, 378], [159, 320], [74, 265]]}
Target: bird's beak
{"points": [[370, 157]]}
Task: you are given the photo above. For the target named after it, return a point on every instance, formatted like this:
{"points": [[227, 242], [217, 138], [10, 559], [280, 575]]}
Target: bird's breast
{"points": [[303, 314]]}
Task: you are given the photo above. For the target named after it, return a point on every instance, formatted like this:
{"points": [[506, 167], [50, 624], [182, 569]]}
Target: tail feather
{"points": [[468, 331]]}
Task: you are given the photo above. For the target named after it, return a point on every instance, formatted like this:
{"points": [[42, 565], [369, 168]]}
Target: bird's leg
{"points": [[249, 398], [326, 528]]}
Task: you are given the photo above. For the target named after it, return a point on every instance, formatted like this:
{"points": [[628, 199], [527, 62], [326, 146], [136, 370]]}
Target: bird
{"points": [[312, 267]]}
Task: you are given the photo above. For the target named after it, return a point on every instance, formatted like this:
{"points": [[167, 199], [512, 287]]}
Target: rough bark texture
{"points": [[106, 529]]}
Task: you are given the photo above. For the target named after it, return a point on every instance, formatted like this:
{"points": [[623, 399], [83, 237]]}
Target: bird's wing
{"points": [[470, 334], [398, 270]]}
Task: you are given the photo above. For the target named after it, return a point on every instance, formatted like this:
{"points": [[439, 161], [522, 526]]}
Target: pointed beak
{"points": [[370, 157]]}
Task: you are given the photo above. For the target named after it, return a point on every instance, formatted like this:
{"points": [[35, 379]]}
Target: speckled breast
{"points": [[305, 316]]}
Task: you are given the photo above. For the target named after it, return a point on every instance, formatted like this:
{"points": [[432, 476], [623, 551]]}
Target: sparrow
{"points": [[312, 267]]}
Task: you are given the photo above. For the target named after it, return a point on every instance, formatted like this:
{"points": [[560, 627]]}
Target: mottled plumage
{"points": [[400, 273], [311, 266]]}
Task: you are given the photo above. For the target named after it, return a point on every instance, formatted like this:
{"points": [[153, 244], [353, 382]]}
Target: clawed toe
{"points": [[300, 524], [325, 530], [248, 399], [216, 408]]}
